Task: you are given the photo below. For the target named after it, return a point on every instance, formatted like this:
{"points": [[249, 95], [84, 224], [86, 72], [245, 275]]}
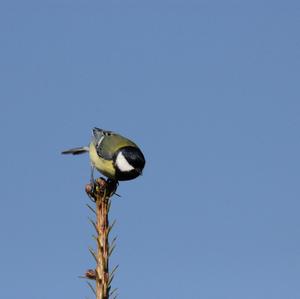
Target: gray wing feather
{"points": [[107, 143], [99, 134], [98, 139]]}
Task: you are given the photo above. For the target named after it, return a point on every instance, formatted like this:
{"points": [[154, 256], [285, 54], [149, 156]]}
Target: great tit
{"points": [[115, 156]]}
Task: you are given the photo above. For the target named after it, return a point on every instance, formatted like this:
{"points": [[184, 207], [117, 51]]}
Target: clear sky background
{"points": [[210, 92]]}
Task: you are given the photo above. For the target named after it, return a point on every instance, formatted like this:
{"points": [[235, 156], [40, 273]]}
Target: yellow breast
{"points": [[104, 166]]}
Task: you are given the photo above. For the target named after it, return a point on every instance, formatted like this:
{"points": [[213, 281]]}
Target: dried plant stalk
{"points": [[102, 287], [101, 195]]}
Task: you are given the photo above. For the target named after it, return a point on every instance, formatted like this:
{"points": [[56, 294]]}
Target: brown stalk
{"points": [[101, 195]]}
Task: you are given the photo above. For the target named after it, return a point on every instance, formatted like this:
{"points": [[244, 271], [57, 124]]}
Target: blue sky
{"points": [[210, 92]]}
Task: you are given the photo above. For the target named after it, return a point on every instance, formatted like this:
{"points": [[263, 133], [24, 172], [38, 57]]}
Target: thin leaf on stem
{"points": [[91, 287]]}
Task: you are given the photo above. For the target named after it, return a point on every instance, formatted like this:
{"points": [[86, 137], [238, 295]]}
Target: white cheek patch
{"points": [[123, 164]]}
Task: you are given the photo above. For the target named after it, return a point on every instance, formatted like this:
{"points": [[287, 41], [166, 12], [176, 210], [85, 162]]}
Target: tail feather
{"points": [[76, 150]]}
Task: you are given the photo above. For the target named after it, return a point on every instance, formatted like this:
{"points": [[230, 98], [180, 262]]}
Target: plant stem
{"points": [[103, 190], [102, 269]]}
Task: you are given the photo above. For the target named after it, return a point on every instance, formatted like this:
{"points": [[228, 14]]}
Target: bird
{"points": [[116, 157]]}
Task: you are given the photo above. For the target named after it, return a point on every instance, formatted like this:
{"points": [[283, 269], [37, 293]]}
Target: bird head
{"points": [[129, 163]]}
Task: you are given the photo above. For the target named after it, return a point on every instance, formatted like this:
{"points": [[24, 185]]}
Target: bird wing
{"points": [[107, 143]]}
